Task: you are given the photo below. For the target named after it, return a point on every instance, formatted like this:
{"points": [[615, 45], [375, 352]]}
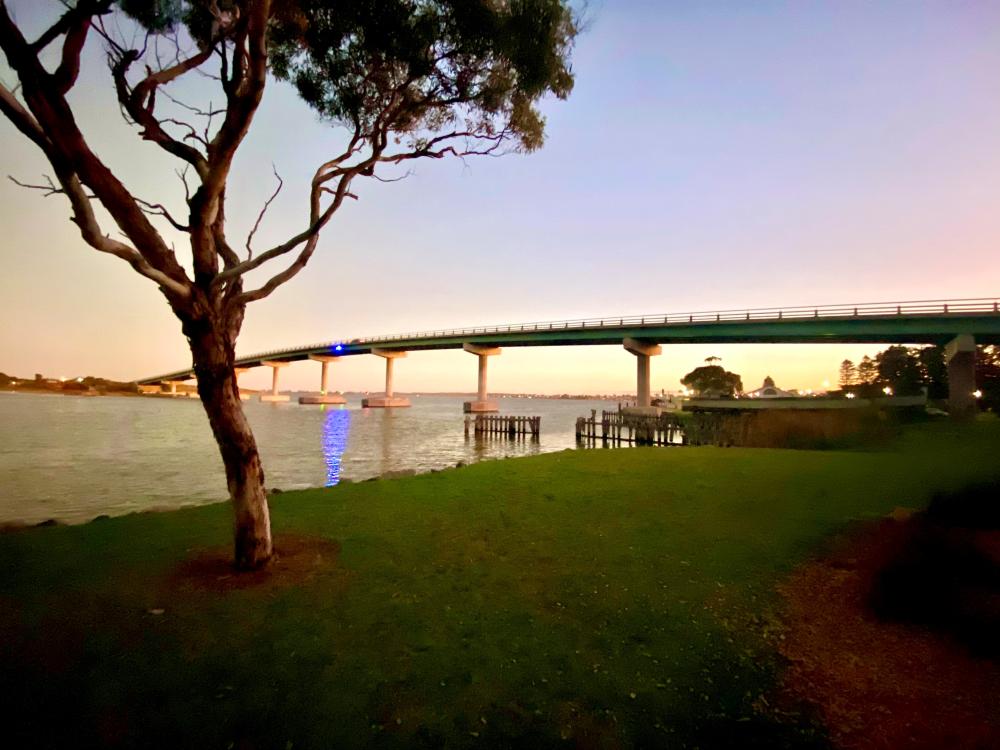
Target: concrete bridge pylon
{"points": [[642, 350], [324, 397], [482, 403], [960, 356], [274, 396], [389, 400]]}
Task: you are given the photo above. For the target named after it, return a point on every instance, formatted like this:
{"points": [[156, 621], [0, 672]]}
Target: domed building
{"points": [[770, 390]]}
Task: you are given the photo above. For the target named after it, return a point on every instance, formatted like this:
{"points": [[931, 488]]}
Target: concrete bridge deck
{"points": [[914, 322]]}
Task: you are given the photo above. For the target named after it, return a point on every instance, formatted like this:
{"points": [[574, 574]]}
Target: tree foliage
{"points": [[899, 368], [867, 371], [713, 379], [906, 370], [988, 376], [848, 374]]}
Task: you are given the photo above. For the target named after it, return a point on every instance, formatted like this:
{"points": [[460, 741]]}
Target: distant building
{"points": [[770, 390]]}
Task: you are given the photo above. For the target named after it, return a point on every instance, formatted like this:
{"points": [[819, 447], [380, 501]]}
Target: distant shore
{"points": [[28, 386]]}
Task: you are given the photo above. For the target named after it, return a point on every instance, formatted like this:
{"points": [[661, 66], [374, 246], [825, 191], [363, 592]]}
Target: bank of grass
{"points": [[603, 598]]}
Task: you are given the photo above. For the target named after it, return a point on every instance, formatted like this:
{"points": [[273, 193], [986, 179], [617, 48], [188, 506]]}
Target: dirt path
{"points": [[879, 683]]}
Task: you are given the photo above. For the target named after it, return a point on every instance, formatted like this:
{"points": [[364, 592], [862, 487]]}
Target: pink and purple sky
{"points": [[713, 155]]}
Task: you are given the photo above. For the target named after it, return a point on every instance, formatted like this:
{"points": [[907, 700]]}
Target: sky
{"points": [[713, 155]]}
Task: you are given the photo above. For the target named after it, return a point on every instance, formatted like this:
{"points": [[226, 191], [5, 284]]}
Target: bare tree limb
{"points": [[93, 235], [408, 173], [52, 127], [48, 189], [263, 210], [194, 110], [192, 134], [310, 238], [182, 176], [139, 102], [158, 209], [22, 119], [76, 36]]}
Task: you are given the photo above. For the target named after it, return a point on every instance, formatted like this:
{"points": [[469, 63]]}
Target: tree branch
{"points": [[76, 36], [93, 235], [263, 210], [23, 120], [158, 209], [140, 101], [49, 189], [52, 126]]}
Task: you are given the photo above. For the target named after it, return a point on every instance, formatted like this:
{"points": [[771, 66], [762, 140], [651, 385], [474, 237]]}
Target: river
{"points": [[72, 458]]}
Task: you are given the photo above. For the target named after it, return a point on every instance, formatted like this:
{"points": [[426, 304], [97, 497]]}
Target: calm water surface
{"points": [[72, 458]]}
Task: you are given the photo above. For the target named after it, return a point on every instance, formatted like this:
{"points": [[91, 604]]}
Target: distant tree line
{"points": [[988, 376], [908, 370], [88, 383]]}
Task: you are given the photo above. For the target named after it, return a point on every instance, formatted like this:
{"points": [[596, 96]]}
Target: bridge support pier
{"points": [[173, 387], [274, 396], [642, 350], [482, 402], [960, 355], [237, 371], [324, 396], [388, 400]]}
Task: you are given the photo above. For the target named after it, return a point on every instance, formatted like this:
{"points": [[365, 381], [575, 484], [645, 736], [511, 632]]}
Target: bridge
{"points": [[958, 325]]}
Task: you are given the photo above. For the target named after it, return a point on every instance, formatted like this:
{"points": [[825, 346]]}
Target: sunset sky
{"points": [[712, 155]]}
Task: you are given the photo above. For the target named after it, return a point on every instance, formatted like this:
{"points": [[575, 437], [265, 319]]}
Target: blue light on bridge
{"points": [[337, 348]]}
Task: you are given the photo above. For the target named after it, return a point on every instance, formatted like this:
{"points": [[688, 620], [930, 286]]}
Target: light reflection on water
{"points": [[73, 458], [336, 427]]}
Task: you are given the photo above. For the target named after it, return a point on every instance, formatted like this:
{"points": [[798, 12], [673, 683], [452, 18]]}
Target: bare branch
{"points": [[192, 133], [49, 188], [140, 101], [158, 209], [263, 210], [310, 237], [76, 36], [182, 175], [409, 173], [23, 120], [347, 194], [93, 235], [52, 127], [209, 113]]}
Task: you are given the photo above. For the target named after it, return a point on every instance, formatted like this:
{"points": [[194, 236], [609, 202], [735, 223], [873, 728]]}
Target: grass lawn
{"points": [[605, 598]]}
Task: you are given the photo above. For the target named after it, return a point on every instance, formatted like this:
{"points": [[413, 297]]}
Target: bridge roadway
{"points": [[957, 324]]}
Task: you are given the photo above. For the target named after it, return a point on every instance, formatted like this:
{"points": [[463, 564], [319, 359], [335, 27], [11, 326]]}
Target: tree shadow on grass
{"points": [[946, 571], [892, 636]]}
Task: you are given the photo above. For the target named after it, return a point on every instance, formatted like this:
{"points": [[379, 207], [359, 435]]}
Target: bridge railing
{"points": [[877, 309], [957, 307]]}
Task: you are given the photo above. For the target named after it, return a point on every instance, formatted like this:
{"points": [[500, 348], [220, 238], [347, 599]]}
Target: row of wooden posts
{"points": [[641, 429], [495, 424]]}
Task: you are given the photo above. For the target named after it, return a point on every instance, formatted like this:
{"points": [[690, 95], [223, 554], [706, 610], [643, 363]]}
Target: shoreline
{"points": [[252, 392]]}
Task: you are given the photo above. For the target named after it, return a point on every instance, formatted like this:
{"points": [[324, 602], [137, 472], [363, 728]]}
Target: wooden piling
{"points": [[507, 426]]}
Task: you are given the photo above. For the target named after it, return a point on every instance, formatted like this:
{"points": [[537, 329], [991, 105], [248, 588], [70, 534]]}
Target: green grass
{"points": [[605, 597]]}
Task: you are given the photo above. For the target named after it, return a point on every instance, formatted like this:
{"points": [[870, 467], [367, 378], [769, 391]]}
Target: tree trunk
{"points": [[214, 354]]}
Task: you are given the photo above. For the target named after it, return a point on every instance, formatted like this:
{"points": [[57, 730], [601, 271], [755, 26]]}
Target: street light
{"points": [[887, 391], [977, 393], [849, 395]]}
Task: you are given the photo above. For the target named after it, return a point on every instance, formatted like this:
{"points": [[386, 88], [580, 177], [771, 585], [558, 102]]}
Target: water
{"points": [[73, 458]]}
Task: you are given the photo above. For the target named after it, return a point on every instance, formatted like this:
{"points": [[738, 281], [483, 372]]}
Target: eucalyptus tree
{"points": [[402, 79], [709, 378]]}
